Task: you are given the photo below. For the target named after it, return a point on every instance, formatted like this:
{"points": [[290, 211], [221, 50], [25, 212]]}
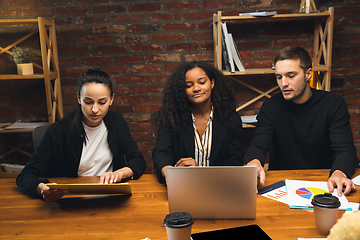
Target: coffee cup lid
{"points": [[178, 220], [325, 200]]}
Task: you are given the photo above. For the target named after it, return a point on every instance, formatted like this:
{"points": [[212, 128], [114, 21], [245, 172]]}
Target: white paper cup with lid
{"points": [[178, 225]]}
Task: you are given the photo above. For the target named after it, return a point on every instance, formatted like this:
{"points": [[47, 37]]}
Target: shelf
{"points": [[52, 76], [255, 71], [25, 130], [45, 27], [250, 71], [323, 37], [15, 76], [19, 21], [277, 16]]}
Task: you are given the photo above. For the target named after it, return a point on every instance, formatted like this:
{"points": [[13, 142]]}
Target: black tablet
{"points": [[230, 233]]}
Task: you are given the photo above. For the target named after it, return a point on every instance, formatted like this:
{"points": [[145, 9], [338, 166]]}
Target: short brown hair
{"points": [[295, 53]]}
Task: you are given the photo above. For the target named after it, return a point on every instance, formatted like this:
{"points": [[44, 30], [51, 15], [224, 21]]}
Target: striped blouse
{"points": [[203, 143]]}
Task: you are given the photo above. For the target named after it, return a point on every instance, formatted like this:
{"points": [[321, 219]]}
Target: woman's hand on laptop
{"points": [[163, 170], [186, 162], [183, 162], [260, 170]]}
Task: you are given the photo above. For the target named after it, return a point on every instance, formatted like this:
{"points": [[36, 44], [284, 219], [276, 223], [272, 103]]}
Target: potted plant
{"points": [[21, 57]]}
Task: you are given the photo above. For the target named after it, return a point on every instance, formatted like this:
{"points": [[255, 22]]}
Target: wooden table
{"points": [[140, 215]]}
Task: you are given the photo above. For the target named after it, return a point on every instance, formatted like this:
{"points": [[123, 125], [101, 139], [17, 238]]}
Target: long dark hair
{"points": [[176, 108], [77, 132]]}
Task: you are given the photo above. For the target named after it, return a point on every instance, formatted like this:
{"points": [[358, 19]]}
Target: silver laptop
{"points": [[213, 192]]}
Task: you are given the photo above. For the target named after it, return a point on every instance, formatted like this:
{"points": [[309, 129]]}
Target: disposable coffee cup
{"points": [[178, 225], [326, 209]]}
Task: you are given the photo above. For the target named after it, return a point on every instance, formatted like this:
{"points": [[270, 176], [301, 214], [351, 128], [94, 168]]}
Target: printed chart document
{"points": [[275, 191], [300, 193]]}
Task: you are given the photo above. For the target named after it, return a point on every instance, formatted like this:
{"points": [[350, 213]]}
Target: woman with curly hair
{"points": [[198, 124]]}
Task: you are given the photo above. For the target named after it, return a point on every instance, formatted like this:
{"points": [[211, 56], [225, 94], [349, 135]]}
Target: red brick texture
{"points": [[140, 43]]}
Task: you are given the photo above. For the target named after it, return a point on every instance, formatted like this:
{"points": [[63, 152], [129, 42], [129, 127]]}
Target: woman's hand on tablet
{"points": [[49, 194]]}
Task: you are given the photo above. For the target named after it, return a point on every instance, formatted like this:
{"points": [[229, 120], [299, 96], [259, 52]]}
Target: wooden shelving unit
{"points": [[50, 62], [50, 71], [323, 37]]}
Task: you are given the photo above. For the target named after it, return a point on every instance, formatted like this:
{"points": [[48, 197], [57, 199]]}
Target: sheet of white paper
{"points": [[249, 119], [300, 193], [356, 180]]}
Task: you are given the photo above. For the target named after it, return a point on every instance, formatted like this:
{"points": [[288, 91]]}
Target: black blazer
{"points": [[226, 149], [57, 157]]}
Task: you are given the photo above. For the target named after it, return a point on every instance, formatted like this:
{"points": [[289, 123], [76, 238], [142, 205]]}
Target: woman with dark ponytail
{"points": [[91, 141], [198, 124]]}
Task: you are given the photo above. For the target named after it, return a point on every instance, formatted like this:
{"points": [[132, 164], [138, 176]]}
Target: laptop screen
{"points": [[225, 192]]}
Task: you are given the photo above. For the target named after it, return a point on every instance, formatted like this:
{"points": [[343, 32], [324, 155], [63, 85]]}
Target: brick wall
{"points": [[139, 43]]}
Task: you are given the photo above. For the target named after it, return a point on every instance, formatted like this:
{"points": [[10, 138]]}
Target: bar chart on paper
{"points": [[275, 191]]}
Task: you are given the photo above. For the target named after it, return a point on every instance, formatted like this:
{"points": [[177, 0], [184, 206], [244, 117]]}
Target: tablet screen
{"points": [[228, 233]]}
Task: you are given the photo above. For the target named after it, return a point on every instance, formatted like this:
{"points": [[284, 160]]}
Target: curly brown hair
{"points": [[176, 108]]}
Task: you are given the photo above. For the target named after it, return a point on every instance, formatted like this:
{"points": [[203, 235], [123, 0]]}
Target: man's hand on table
{"points": [[339, 179]]}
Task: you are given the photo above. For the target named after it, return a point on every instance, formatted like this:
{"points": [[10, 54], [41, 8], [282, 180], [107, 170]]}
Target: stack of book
{"points": [[230, 51]]}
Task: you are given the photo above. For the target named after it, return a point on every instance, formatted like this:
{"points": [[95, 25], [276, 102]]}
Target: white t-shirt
{"points": [[96, 157]]}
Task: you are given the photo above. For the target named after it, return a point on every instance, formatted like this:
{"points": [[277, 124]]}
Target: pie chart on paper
{"points": [[309, 193]]}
